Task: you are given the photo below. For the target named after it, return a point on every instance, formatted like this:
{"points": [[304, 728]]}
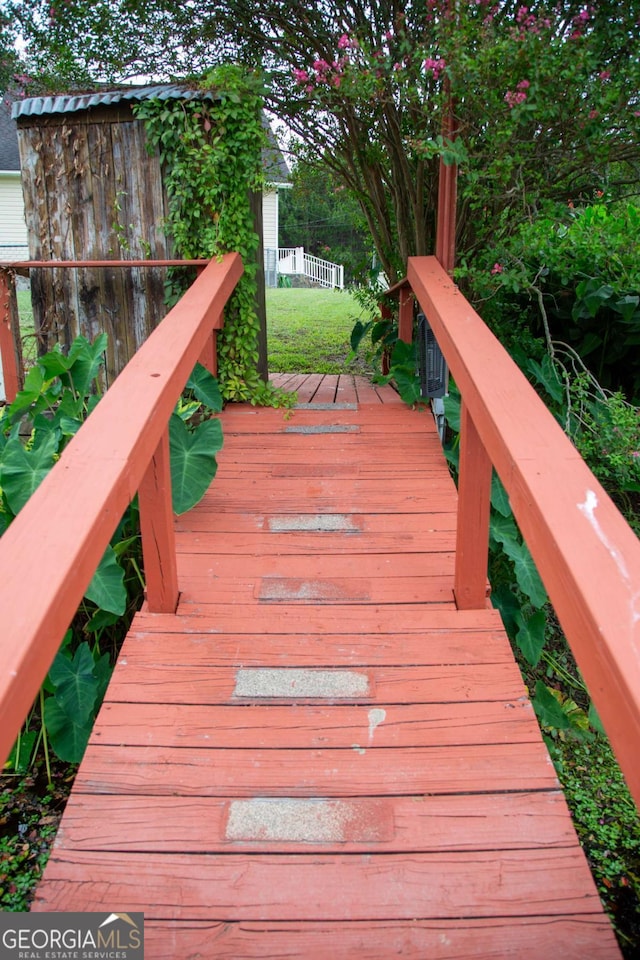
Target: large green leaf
{"points": [[193, 462], [531, 637], [526, 573], [505, 600], [452, 404], [590, 296], [205, 388], [547, 375], [86, 359], [499, 496], [75, 684], [102, 671], [23, 470], [33, 384], [107, 589], [67, 734], [548, 710], [359, 331], [627, 307], [503, 528]]}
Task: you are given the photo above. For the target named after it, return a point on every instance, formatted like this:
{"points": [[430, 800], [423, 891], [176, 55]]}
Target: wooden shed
{"points": [[93, 192]]}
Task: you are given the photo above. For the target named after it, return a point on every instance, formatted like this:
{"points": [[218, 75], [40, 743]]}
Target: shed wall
{"points": [[93, 192]]}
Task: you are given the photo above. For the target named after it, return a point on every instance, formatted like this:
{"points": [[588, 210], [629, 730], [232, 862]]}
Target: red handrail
{"points": [[53, 547], [586, 553]]}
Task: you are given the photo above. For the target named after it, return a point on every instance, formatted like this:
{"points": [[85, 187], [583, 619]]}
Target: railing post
{"points": [[209, 356], [405, 315], [158, 534], [474, 503], [8, 332]]}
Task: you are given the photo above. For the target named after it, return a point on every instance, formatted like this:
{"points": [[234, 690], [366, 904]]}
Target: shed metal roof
{"points": [[275, 166], [71, 103]]}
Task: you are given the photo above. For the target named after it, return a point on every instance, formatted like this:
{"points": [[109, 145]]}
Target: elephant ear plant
{"points": [[60, 391]]}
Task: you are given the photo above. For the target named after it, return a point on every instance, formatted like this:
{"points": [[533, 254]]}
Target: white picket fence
{"points": [[295, 262]]}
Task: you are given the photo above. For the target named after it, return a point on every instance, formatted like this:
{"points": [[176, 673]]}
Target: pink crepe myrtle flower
{"points": [[347, 43], [300, 76], [435, 66], [514, 99], [604, 75], [497, 268]]}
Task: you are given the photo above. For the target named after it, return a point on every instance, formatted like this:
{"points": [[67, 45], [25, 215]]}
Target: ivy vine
{"points": [[210, 146]]}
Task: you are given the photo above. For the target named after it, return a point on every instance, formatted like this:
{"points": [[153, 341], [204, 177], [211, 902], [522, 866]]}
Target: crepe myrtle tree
{"points": [[544, 97]]}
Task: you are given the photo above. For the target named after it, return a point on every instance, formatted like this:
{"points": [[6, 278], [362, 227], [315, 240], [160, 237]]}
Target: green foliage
{"points": [[28, 816], [546, 96], [520, 596], [604, 814], [59, 393], [70, 710], [391, 358], [608, 437], [193, 462], [571, 275], [211, 148], [107, 589]]}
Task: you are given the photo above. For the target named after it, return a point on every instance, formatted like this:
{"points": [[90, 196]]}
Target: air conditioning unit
{"points": [[432, 367]]}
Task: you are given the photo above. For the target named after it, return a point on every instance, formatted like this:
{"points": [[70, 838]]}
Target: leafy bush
{"points": [[571, 275], [60, 391]]}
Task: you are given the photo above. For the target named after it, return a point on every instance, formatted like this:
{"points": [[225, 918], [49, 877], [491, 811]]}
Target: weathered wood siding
{"points": [[93, 192]]}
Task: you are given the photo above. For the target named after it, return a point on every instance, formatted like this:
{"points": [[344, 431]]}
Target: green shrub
{"points": [[571, 275]]}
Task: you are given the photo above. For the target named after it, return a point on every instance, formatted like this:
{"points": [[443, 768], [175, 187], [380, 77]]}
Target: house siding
{"points": [[13, 232], [270, 218]]}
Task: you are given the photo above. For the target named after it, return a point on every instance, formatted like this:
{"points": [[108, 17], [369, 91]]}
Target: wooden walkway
{"points": [[318, 756]]}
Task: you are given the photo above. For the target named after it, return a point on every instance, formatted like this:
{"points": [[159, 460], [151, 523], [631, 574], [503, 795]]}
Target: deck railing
{"points": [[586, 554], [323, 272], [10, 347], [52, 549]]}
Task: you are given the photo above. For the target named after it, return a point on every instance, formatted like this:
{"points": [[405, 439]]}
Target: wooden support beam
{"points": [[9, 335], [158, 535], [472, 537], [405, 314]]}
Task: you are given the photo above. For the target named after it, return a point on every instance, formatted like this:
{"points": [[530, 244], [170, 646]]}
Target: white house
{"points": [[276, 179], [13, 231]]}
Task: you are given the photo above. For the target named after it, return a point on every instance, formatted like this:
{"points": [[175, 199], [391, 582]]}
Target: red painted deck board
{"points": [[329, 887], [415, 813], [174, 824], [317, 726], [515, 938]]}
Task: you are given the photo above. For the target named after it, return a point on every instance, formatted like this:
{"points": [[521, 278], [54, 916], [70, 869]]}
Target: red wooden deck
{"points": [[318, 755]]}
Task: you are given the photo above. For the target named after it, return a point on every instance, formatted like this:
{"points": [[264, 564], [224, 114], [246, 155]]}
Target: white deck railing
{"points": [[293, 260]]}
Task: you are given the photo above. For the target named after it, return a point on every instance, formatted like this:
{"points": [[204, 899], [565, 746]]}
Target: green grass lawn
{"points": [[25, 312], [308, 331]]}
